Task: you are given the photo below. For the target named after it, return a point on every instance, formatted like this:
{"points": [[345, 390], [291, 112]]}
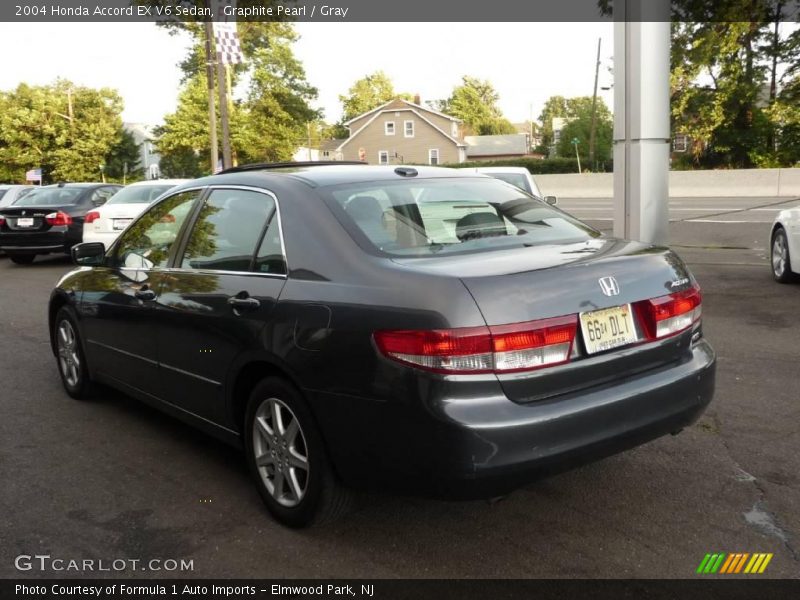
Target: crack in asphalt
{"points": [[759, 516]]}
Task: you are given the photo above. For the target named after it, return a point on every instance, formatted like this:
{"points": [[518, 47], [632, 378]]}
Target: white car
{"points": [[784, 244], [519, 177], [104, 224], [11, 193]]}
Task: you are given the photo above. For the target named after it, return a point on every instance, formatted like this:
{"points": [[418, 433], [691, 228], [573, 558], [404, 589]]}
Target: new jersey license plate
{"points": [[120, 224], [608, 328], [25, 222]]}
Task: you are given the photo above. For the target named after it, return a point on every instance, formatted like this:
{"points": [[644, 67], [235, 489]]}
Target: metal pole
{"points": [[578, 156], [593, 130], [223, 113], [641, 120], [212, 112]]}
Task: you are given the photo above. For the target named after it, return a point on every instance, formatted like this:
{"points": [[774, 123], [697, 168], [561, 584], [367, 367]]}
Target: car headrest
{"points": [[364, 208], [480, 224]]}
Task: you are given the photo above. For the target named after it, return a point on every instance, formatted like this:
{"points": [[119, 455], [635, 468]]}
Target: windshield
{"points": [[2, 193], [448, 216], [50, 196], [139, 194], [514, 179]]}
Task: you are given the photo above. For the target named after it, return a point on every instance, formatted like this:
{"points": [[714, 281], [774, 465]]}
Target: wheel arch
{"points": [[58, 300]]}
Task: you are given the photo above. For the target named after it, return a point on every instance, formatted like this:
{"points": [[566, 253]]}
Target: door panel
{"points": [[213, 306]]}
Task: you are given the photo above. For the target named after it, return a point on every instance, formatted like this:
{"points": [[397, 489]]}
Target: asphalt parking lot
{"points": [[112, 478]]}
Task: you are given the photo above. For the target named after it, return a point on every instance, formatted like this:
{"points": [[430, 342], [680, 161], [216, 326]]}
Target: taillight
{"points": [[2, 221], [496, 349], [671, 314], [58, 218], [91, 216]]}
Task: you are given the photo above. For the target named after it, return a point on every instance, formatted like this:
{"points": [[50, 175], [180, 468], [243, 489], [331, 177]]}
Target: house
{"points": [[495, 147], [304, 153], [148, 159], [401, 132], [329, 150]]}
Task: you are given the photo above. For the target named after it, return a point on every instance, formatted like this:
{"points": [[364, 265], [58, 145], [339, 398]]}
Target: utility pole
{"points": [[212, 112], [593, 130], [222, 81]]}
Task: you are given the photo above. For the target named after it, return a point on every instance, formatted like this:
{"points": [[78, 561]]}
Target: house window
{"points": [[408, 128], [383, 157], [680, 142], [388, 127], [433, 156], [326, 153]]}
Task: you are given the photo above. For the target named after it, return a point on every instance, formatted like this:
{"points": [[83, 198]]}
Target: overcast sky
{"points": [[526, 62]]}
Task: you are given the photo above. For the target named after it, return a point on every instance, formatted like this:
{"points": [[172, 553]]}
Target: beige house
{"points": [[402, 132]]}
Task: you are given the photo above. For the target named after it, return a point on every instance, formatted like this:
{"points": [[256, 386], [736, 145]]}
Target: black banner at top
{"points": [[335, 11]]}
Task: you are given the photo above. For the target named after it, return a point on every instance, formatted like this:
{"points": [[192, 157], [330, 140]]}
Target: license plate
{"points": [[608, 328], [120, 224], [25, 222]]}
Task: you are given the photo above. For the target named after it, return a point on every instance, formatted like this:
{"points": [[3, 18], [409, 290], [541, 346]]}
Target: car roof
{"points": [[82, 184], [11, 186], [153, 182], [502, 170], [328, 175]]}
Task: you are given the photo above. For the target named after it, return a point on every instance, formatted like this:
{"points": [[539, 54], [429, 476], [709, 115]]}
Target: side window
{"points": [[146, 244], [101, 195], [227, 231], [270, 257]]}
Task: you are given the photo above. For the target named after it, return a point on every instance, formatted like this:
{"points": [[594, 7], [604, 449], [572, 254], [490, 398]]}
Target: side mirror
{"points": [[551, 200], [88, 254]]}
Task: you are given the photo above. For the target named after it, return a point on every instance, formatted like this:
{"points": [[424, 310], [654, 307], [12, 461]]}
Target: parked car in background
{"points": [[784, 244], [104, 224], [11, 193], [49, 219], [424, 329], [518, 176]]}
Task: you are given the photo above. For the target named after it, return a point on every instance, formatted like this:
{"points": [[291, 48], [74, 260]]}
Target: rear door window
{"points": [[228, 230]]}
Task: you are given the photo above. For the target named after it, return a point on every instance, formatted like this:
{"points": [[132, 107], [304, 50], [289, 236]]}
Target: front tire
{"points": [[22, 259], [779, 257], [287, 458], [70, 357]]}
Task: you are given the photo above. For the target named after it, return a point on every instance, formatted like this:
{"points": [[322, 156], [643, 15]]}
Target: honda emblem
{"points": [[609, 286]]}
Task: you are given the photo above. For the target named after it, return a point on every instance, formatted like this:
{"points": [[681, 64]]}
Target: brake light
{"points": [[91, 216], [58, 218], [2, 221], [671, 314], [496, 349]]}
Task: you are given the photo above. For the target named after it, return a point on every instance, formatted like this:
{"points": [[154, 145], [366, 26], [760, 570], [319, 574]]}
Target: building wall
{"points": [[410, 150]]}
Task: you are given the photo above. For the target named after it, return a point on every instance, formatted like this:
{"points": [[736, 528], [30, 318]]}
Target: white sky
{"points": [[526, 62]]}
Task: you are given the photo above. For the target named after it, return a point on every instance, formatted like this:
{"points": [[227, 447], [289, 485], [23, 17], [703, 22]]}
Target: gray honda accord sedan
{"points": [[422, 329]]}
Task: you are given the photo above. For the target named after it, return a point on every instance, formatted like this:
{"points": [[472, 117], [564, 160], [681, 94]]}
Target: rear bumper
{"points": [[55, 240], [486, 445]]}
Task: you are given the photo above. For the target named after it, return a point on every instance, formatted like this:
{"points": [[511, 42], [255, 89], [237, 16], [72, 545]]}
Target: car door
{"points": [[216, 300], [118, 298]]}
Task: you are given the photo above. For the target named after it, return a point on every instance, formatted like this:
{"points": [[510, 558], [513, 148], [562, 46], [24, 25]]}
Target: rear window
{"points": [[448, 216], [514, 179], [50, 197], [2, 193], [140, 194]]}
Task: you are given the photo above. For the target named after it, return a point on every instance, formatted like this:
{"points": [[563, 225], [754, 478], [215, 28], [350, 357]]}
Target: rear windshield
{"points": [[50, 197], [2, 193], [139, 194], [447, 216], [514, 179]]}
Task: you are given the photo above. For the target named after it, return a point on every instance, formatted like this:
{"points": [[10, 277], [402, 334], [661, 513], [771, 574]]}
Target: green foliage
{"points": [[67, 130], [577, 112], [475, 103], [267, 125], [124, 152], [367, 93], [534, 165]]}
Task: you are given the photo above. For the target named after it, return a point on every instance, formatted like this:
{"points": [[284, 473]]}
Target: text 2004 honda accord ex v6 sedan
{"points": [[423, 329]]}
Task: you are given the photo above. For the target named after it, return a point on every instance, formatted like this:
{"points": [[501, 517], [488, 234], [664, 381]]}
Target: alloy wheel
{"points": [[281, 452], [69, 359], [779, 255]]}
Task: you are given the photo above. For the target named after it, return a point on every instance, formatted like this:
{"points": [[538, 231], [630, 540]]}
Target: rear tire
{"points": [[22, 259], [287, 459], [779, 257], [70, 358]]}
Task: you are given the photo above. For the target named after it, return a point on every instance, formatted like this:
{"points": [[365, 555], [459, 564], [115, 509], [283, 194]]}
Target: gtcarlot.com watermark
{"points": [[48, 563]]}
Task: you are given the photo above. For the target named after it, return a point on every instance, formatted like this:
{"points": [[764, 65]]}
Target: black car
{"points": [[424, 329], [49, 219]]}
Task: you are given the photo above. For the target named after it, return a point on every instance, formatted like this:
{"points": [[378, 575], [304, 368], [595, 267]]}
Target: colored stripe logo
{"points": [[734, 563]]}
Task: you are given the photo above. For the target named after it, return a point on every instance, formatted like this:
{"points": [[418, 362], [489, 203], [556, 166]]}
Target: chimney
{"points": [[417, 99]]}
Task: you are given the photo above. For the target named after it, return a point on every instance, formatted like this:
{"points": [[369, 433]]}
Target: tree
{"points": [[577, 113], [554, 108], [475, 103], [65, 129], [367, 93], [267, 125], [122, 161]]}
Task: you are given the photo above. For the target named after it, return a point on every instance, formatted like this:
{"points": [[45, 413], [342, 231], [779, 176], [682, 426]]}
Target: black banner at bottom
{"points": [[380, 589]]}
